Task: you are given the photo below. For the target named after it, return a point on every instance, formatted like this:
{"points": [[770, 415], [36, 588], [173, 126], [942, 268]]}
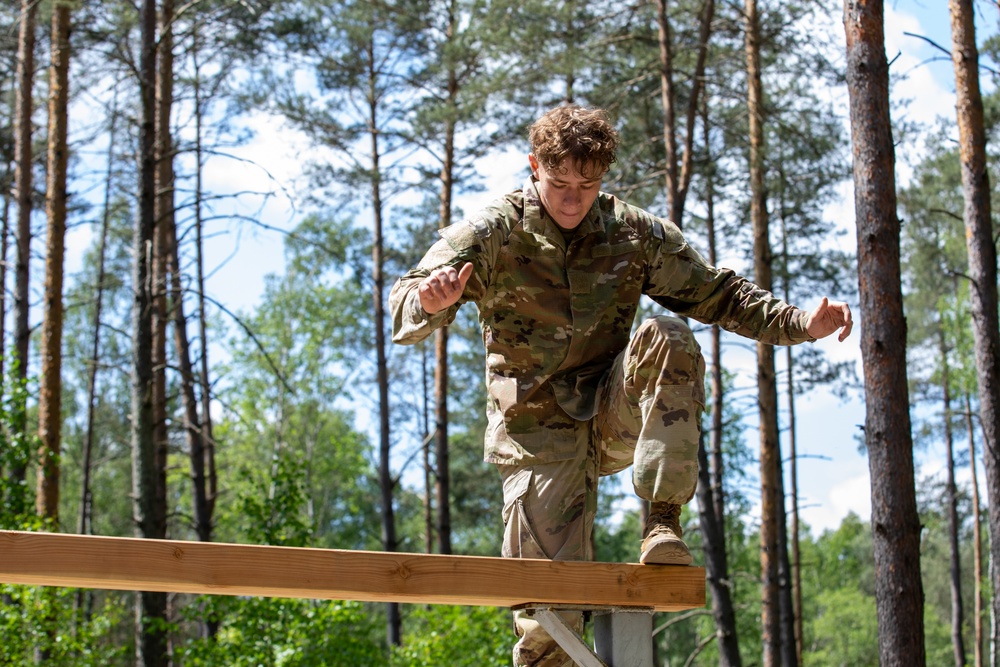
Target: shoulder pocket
{"points": [[466, 234]]}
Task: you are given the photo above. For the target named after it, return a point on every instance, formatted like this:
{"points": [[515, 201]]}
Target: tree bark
{"points": [[982, 258], [770, 458], [189, 398], [786, 602], [382, 366], [895, 523], [425, 413], [150, 519], [951, 505], [441, 454], [717, 567], [711, 469], [84, 523], [50, 389], [977, 539], [172, 268], [208, 436], [795, 566], [23, 185], [163, 205], [679, 169], [85, 598]]}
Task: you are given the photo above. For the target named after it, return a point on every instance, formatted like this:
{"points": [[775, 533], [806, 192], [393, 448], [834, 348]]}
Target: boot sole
{"points": [[666, 553]]}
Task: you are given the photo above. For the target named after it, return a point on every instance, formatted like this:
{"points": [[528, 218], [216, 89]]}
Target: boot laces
{"points": [[664, 517]]}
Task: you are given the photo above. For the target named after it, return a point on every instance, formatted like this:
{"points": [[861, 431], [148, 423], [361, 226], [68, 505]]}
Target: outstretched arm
{"points": [[828, 317]]}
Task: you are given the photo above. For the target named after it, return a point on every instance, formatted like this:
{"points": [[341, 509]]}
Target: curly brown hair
{"points": [[583, 135]]}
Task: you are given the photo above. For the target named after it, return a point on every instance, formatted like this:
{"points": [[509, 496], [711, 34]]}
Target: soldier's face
{"points": [[566, 194]]}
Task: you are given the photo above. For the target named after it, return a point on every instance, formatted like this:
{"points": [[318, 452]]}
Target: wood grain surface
{"points": [[121, 563]]}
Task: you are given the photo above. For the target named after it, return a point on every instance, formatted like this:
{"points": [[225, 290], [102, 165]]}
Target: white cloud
{"points": [[852, 494]]}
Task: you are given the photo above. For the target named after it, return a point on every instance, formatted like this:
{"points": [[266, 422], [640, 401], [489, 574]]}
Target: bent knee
{"points": [[665, 351], [668, 326]]}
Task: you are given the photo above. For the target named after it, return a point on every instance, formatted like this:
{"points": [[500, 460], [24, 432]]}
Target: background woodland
{"points": [[137, 401]]}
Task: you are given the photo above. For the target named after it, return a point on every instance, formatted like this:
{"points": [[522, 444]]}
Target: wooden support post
{"points": [[122, 563]]}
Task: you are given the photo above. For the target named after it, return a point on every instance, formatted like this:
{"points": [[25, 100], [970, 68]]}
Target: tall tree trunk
{"points": [[982, 257], [192, 423], [679, 169], [895, 524], [786, 604], [994, 629], [163, 204], [717, 566], [50, 390], [4, 248], [85, 598], [573, 36], [770, 457], [23, 185], [668, 96], [151, 607], [208, 436], [951, 504], [796, 555], [50, 385], [441, 454], [84, 523], [793, 461], [428, 438], [382, 367], [166, 218], [711, 469], [163, 222], [977, 539], [7, 184]]}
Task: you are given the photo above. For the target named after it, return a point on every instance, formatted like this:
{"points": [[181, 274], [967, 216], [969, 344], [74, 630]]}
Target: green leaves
{"points": [[457, 637]]}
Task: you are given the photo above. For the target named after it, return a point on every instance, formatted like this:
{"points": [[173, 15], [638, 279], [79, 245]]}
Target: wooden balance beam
{"points": [[132, 564]]}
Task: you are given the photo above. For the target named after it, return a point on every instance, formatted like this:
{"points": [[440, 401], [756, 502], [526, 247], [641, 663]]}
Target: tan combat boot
{"points": [[663, 544]]}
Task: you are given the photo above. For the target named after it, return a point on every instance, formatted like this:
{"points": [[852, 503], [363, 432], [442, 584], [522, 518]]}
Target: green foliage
{"points": [[276, 632], [844, 631], [35, 619], [17, 453], [843, 558], [280, 632], [455, 636]]}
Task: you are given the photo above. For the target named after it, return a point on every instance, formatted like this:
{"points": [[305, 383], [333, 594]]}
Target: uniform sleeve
{"points": [[680, 279], [410, 322], [475, 240]]}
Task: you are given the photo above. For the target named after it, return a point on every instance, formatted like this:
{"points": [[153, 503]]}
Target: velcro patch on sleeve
{"points": [[466, 234]]}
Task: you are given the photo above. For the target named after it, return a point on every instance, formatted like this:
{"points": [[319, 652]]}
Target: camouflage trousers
{"points": [[648, 416]]}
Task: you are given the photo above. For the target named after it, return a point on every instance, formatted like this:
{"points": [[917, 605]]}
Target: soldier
{"points": [[557, 269]]}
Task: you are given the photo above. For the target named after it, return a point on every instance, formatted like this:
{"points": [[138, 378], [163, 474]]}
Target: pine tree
{"points": [[895, 524], [982, 257]]}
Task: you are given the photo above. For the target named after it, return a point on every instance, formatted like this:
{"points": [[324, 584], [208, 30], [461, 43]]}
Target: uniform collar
{"points": [[536, 221]]}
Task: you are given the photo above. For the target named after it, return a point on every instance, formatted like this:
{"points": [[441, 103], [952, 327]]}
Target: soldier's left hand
{"points": [[828, 317]]}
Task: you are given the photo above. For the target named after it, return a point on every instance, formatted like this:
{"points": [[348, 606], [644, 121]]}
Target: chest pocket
{"points": [[609, 273]]}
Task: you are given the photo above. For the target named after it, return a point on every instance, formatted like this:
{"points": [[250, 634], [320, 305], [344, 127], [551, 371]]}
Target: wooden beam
{"points": [[122, 563]]}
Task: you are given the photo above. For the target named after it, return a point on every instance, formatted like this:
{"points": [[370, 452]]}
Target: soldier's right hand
{"points": [[443, 287]]}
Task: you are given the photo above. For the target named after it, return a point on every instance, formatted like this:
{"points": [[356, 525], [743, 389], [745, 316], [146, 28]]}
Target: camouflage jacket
{"points": [[555, 317]]}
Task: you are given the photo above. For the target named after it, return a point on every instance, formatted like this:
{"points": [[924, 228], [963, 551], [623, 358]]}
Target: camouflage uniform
{"points": [[572, 393]]}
